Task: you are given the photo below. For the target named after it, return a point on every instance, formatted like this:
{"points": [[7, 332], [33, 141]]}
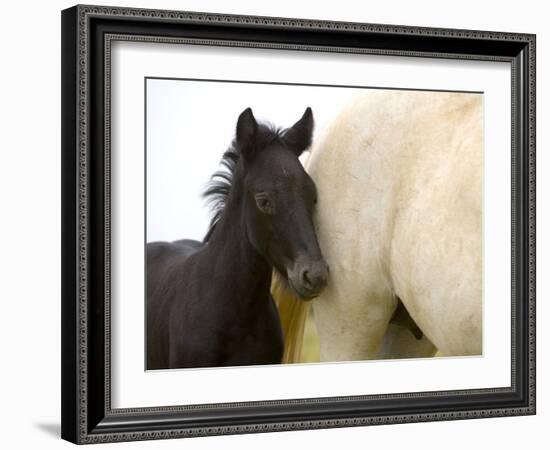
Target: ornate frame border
{"points": [[86, 422]]}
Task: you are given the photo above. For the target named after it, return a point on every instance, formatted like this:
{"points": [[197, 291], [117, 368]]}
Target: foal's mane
{"points": [[218, 188]]}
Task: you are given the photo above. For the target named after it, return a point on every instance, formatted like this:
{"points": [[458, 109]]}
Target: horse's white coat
{"points": [[399, 180]]}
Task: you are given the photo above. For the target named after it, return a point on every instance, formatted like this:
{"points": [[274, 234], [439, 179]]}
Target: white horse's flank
{"points": [[399, 178]]}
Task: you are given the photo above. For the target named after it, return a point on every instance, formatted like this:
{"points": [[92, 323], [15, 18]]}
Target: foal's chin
{"points": [[304, 295]]}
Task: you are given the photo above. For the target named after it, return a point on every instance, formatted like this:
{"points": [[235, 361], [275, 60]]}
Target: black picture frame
{"points": [[87, 416]]}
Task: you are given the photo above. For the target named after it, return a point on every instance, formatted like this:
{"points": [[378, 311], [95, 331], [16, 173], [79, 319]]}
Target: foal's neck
{"points": [[246, 274]]}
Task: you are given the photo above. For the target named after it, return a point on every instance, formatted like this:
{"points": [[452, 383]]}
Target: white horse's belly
{"points": [[399, 180]]}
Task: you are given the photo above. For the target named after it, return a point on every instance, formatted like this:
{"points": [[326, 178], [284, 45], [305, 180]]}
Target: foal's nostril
{"points": [[314, 277], [305, 279], [308, 277]]}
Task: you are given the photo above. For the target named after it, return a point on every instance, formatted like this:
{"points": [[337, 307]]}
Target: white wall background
{"points": [[30, 190], [189, 126]]}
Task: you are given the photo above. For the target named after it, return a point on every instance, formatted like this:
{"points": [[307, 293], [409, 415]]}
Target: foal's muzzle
{"points": [[308, 278]]}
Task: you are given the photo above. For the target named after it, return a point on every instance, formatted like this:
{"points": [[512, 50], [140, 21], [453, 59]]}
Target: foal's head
{"points": [[277, 198]]}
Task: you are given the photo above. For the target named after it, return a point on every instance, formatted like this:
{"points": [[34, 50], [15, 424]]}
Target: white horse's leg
{"points": [[354, 310], [351, 319], [351, 335]]}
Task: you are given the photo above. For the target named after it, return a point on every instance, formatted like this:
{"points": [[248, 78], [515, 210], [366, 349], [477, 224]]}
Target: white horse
{"points": [[399, 180]]}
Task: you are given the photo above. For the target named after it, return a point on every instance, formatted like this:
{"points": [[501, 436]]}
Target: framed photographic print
{"points": [[279, 224]]}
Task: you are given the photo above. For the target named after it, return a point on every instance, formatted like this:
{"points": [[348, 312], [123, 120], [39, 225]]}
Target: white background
{"points": [[189, 126], [30, 189]]}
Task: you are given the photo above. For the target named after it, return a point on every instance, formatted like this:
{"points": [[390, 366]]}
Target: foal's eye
{"points": [[264, 204]]}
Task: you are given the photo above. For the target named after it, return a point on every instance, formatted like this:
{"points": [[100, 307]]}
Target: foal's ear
{"points": [[247, 127], [298, 137]]}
